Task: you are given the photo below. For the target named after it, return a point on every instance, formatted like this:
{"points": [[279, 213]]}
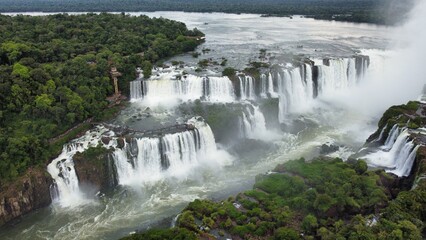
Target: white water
{"points": [[220, 89], [399, 157], [296, 89], [136, 90], [379, 138], [390, 140], [253, 124], [66, 190], [148, 160], [119, 215], [340, 74], [166, 89], [247, 88]]}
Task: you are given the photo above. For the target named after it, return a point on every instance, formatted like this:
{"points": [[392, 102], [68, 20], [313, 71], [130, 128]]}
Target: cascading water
{"points": [[335, 74], [267, 86], [379, 138], [66, 189], [188, 87], [298, 86], [247, 88], [220, 89], [141, 160], [390, 140], [399, 157], [136, 90], [145, 160], [253, 124]]}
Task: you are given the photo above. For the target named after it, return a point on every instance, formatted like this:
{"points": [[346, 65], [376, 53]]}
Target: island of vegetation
{"points": [[55, 79], [324, 198]]}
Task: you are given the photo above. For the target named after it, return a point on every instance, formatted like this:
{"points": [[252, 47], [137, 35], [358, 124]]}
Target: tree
{"points": [[361, 166], [309, 223], [44, 102], [147, 69], [21, 71]]}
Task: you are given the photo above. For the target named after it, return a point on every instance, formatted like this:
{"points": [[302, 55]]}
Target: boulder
{"points": [[105, 140], [120, 143], [328, 148]]}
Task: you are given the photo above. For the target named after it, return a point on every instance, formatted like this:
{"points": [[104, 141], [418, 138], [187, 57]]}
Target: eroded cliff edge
{"points": [[27, 193]]}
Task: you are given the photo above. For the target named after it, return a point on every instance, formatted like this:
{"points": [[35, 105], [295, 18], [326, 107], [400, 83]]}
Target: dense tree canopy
{"points": [[54, 73], [321, 199], [374, 11]]}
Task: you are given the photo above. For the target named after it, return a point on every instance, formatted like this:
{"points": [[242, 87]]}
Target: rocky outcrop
{"points": [[29, 192], [410, 116], [95, 170], [328, 148]]}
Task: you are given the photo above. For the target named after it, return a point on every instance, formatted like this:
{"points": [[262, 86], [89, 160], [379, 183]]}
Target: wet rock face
{"points": [[95, 172], [28, 193], [328, 148]]}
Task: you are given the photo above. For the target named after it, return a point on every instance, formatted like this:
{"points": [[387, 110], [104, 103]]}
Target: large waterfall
{"points": [[172, 155], [252, 123], [66, 186], [142, 160], [188, 87], [397, 154], [335, 74], [247, 88], [294, 85]]}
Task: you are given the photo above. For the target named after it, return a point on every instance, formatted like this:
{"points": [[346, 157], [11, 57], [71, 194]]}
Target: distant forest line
{"points": [[387, 12]]}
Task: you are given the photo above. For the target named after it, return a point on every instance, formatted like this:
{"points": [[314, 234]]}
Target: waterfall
{"points": [[263, 84], [247, 88], [136, 90], [379, 138], [189, 87], [308, 81], [340, 73], [390, 140], [220, 89], [267, 86], [140, 160], [66, 189], [145, 160], [298, 86], [252, 123], [399, 157], [351, 72], [270, 85], [295, 90]]}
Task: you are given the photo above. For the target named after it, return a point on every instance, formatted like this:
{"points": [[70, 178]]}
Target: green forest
{"points": [[54, 74], [370, 11], [321, 199]]}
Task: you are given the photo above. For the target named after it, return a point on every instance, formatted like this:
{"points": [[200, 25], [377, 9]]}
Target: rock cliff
{"points": [[27, 193]]}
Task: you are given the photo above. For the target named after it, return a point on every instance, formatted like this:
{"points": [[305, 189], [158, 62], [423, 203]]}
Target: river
{"points": [[333, 117]]}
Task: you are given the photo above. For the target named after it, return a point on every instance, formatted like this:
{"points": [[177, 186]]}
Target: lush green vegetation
{"points": [[54, 74], [160, 234], [406, 115], [373, 11], [322, 199]]}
